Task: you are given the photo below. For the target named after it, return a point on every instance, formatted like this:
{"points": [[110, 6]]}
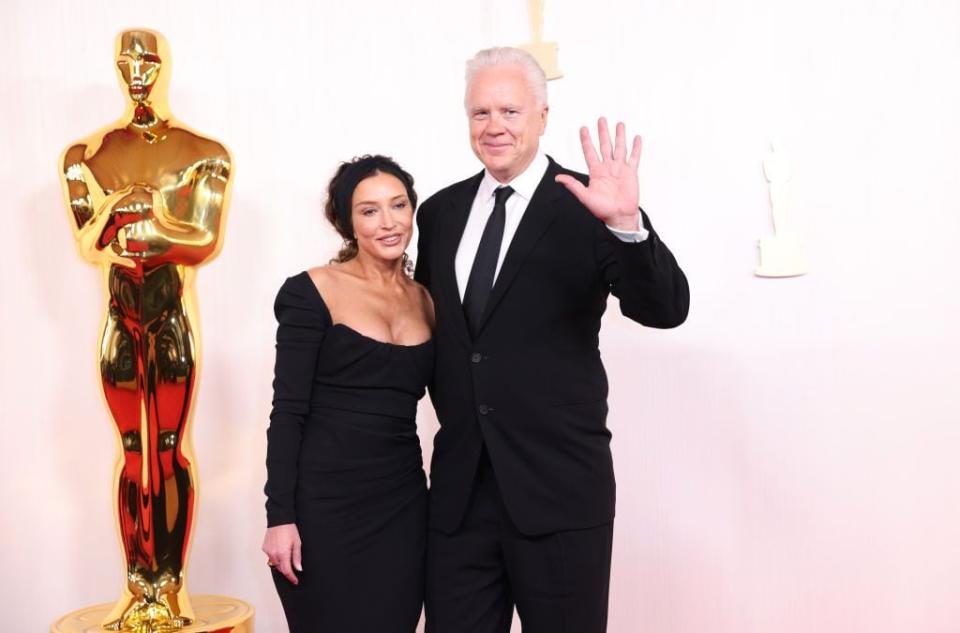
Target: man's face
{"points": [[139, 64], [506, 122]]}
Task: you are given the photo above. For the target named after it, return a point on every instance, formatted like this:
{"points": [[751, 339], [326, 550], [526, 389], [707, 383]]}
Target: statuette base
{"points": [[214, 614], [781, 256]]}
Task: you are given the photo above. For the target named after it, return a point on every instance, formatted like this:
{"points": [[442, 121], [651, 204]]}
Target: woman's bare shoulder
{"points": [[325, 278], [332, 273], [319, 272], [334, 281]]}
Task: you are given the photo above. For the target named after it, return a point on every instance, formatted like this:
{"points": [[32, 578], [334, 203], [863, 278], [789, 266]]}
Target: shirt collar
{"points": [[524, 184]]}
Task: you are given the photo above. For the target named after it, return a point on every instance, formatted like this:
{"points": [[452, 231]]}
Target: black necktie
{"points": [[485, 263]]}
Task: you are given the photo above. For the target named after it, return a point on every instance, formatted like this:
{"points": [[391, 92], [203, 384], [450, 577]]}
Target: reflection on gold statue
{"points": [[147, 199]]}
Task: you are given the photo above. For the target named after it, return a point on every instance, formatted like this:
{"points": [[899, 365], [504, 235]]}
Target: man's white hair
{"points": [[509, 56]]}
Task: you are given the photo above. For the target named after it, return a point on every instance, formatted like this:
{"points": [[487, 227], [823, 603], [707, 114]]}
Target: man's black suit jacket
{"points": [[531, 385]]}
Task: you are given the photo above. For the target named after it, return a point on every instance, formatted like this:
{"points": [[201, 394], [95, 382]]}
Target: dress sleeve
{"points": [[300, 331]]}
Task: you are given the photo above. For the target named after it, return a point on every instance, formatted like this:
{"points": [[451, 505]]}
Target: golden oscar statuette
{"points": [[147, 199]]}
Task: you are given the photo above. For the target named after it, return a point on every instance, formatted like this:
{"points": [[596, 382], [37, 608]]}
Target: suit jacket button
{"points": [[475, 357], [483, 409]]}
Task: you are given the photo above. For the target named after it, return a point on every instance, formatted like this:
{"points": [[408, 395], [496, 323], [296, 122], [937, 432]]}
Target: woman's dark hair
{"points": [[340, 196]]}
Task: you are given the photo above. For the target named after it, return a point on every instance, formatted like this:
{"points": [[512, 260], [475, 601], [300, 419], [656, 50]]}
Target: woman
{"points": [[345, 475]]}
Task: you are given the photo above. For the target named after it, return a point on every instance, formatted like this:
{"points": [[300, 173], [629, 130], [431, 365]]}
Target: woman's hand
{"points": [[282, 547]]}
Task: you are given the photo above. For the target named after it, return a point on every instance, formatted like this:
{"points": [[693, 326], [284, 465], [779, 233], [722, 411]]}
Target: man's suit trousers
{"points": [[559, 582]]}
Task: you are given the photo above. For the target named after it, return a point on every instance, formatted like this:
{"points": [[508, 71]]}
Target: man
{"points": [[520, 259]]}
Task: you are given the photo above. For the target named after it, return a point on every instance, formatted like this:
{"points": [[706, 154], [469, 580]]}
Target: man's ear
{"points": [[543, 119]]}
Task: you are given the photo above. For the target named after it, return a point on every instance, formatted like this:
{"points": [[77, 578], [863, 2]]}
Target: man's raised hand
{"points": [[613, 194]]}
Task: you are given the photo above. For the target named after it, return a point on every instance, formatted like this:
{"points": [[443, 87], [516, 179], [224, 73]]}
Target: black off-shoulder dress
{"points": [[344, 464]]}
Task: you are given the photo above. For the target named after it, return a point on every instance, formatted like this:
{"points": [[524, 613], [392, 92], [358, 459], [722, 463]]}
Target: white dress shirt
{"points": [[523, 187]]}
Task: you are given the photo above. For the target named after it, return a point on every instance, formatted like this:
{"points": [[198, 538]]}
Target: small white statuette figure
{"points": [[782, 254], [544, 52]]}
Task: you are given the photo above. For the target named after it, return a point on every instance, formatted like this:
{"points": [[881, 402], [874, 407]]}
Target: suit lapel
{"points": [[451, 231], [539, 215]]}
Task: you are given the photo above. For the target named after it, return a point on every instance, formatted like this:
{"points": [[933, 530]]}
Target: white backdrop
{"points": [[786, 460]]}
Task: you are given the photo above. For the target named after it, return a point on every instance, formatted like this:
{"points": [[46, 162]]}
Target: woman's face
{"points": [[382, 216]]}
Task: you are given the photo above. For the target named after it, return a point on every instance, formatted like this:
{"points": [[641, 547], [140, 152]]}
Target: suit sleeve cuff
{"points": [[631, 237]]}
